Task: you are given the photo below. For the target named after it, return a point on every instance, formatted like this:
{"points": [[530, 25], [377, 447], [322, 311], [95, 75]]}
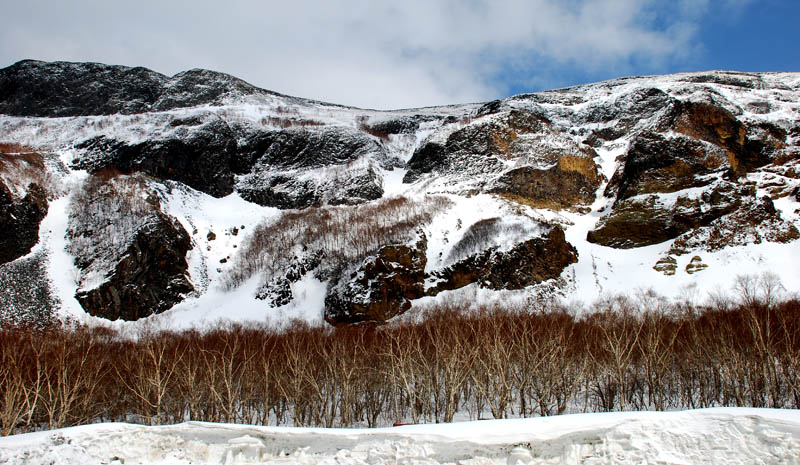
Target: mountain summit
{"points": [[125, 193]]}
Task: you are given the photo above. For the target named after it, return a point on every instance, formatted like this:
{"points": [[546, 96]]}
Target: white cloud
{"points": [[383, 54]]}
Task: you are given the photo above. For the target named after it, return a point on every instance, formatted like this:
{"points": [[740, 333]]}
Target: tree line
{"points": [[490, 362]]}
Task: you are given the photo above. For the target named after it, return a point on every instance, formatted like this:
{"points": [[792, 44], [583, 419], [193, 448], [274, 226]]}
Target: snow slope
{"points": [[576, 112], [714, 436]]}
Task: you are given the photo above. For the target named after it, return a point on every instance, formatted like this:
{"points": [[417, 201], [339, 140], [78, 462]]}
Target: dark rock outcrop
{"points": [[402, 125], [36, 88], [480, 147], [644, 220], [202, 160], [303, 148], [655, 164], [19, 221], [381, 288], [131, 255], [150, 276], [755, 221], [273, 163], [748, 148], [429, 158], [527, 263]]}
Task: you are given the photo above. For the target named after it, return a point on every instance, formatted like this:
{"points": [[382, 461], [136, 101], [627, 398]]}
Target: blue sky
{"points": [[742, 36], [394, 54]]}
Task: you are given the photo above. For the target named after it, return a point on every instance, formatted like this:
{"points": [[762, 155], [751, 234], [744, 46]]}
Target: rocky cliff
{"points": [[205, 197]]}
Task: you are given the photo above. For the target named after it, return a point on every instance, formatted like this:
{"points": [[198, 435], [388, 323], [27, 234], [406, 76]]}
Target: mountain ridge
{"points": [[642, 176]]}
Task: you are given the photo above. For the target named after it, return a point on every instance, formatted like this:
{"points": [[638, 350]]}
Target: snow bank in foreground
{"points": [[730, 436]]}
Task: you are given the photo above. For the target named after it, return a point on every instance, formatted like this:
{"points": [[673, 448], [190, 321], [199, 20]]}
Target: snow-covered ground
{"points": [[713, 436], [601, 271]]}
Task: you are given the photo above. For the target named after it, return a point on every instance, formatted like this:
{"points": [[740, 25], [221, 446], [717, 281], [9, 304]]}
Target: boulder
{"points": [[695, 265], [666, 265]]}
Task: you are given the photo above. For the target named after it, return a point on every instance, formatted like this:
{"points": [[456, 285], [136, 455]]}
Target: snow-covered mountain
{"points": [[125, 193]]}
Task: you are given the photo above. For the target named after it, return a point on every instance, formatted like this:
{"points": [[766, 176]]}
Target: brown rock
{"points": [[381, 288], [527, 263], [655, 163], [711, 123], [666, 265], [695, 265], [571, 183], [645, 221]]}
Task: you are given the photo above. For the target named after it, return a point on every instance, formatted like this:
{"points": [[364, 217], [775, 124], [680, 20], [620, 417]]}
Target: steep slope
{"points": [[270, 207]]}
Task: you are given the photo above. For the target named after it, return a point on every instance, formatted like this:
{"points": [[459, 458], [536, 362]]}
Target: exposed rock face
{"points": [[150, 276], [480, 147], [754, 222], [35, 88], [300, 168], [647, 220], [748, 148], [403, 125], [19, 221], [303, 148], [23, 200], [382, 287], [131, 255], [555, 188], [284, 169], [713, 144], [656, 164], [202, 159], [385, 283], [513, 152], [711, 123], [529, 262]]}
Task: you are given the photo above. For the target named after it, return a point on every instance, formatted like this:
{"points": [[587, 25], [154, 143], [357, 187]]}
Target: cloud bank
{"points": [[377, 54]]}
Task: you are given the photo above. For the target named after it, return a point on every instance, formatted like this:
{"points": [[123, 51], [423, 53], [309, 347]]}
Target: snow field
{"points": [[713, 436]]}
